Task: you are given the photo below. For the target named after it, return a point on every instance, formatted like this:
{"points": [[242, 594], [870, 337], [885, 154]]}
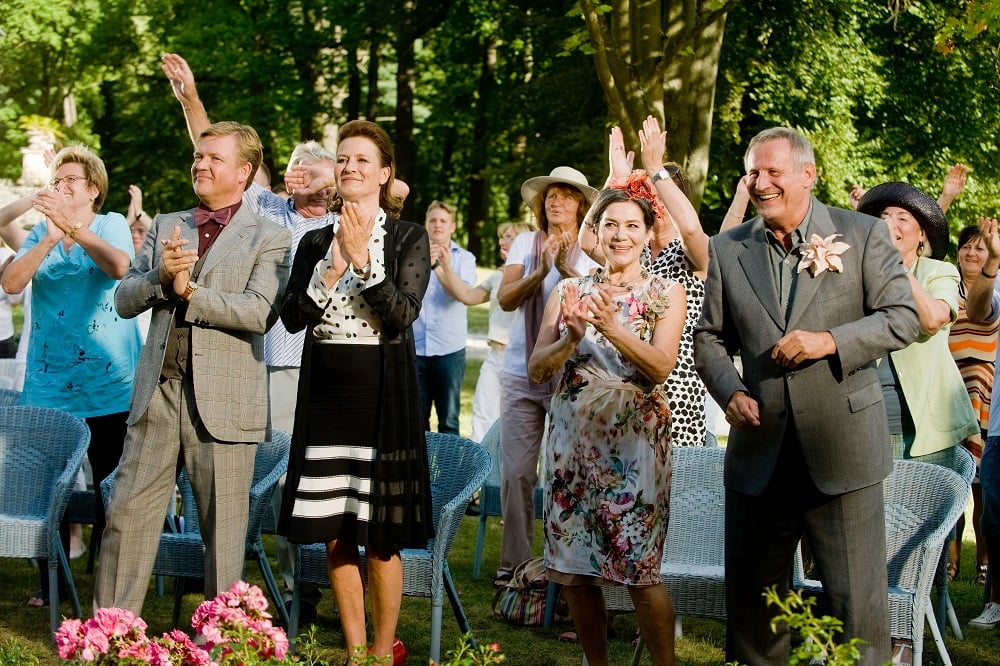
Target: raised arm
{"points": [[182, 81], [738, 208], [979, 300], [13, 235], [954, 185], [682, 213]]}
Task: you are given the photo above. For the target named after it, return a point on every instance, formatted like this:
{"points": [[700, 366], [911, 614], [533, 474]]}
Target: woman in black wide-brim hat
{"points": [[925, 398]]}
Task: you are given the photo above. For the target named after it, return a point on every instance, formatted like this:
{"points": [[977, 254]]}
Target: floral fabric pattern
{"points": [[608, 453]]}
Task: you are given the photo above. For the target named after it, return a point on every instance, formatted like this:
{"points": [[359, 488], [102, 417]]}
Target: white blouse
{"points": [[347, 318]]}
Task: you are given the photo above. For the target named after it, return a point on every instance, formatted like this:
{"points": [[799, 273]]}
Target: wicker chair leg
{"points": [[272, 586], [95, 545], [436, 608], [456, 607], [938, 641], [178, 598], [53, 599], [477, 559]]}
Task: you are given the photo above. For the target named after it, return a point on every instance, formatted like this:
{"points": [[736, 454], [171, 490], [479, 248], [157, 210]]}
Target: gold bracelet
{"points": [[76, 228]]}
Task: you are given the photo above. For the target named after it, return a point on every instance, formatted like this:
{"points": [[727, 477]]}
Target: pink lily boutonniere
{"points": [[822, 254]]}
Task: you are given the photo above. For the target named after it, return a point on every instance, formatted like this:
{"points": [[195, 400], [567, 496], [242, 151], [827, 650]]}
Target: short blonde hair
{"points": [[518, 227], [93, 169], [247, 143], [443, 205]]}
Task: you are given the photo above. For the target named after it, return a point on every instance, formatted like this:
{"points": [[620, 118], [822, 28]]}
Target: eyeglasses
{"points": [[69, 180]]}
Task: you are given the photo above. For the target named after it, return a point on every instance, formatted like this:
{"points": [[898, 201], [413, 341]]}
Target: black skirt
{"points": [[362, 464]]}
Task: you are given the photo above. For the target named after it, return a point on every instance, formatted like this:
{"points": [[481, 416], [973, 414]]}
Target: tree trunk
{"points": [[661, 57], [479, 202]]}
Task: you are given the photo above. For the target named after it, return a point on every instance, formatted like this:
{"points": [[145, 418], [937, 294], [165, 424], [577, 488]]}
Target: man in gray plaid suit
{"points": [[213, 277]]}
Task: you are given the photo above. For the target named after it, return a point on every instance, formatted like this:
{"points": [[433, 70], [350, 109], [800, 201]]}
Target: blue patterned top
{"points": [[81, 354]]}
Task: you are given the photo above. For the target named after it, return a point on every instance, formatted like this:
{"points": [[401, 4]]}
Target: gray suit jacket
{"points": [[241, 281], [836, 402]]}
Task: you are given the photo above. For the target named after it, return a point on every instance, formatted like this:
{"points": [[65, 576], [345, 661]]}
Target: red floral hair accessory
{"points": [[638, 186]]}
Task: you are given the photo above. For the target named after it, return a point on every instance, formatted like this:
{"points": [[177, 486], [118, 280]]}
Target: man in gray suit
{"points": [[213, 277], [809, 443]]}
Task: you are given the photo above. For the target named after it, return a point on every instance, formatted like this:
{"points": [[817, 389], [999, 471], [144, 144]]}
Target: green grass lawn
{"points": [[701, 644]]}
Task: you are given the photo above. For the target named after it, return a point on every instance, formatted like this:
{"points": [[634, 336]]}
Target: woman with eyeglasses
{"points": [[81, 354]]}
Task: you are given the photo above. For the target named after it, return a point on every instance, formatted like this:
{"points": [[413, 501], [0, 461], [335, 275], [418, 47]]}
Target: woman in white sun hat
{"points": [[535, 263]]}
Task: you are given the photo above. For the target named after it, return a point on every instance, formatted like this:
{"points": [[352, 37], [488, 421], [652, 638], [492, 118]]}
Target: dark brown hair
{"points": [[390, 203]]}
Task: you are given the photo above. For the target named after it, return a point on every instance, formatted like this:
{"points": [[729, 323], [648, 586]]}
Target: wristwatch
{"points": [[189, 290], [364, 271], [665, 172]]}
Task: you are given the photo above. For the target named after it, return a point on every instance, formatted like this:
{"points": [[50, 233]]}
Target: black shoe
{"points": [[472, 509]]}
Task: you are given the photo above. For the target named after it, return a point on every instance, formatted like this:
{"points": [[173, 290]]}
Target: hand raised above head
{"points": [[619, 159], [954, 181], [180, 75], [653, 145], [988, 232], [856, 194], [134, 202]]}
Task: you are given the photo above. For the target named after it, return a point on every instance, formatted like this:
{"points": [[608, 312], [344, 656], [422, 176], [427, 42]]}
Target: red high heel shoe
{"points": [[398, 652]]}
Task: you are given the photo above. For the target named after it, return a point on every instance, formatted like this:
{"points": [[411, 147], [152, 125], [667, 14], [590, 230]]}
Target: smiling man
{"points": [[442, 327], [213, 277], [809, 296]]}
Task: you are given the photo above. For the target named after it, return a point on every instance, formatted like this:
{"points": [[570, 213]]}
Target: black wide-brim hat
{"points": [[921, 206]]}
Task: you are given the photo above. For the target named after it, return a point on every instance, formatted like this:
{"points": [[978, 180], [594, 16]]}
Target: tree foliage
{"points": [[868, 88], [497, 92], [661, 57]]}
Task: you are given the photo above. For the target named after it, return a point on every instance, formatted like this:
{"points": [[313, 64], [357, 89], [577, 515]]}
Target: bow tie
{"points": [[221, 216]]}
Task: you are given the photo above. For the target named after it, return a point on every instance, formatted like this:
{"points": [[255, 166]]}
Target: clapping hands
{"points": [[596, 308]]}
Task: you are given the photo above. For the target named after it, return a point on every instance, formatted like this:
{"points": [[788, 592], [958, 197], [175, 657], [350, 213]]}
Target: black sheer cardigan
{"points": [[401, 497]]}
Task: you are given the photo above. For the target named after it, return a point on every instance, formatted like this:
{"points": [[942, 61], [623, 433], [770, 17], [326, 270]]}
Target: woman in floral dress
{"points": [[614, 336]]}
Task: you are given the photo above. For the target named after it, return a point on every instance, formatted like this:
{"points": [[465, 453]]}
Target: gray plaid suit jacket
{"points": [[836, 402], [242, 280]]}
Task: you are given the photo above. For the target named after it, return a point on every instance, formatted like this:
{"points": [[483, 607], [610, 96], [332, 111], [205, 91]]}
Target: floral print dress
{"points": [[607, 495]]}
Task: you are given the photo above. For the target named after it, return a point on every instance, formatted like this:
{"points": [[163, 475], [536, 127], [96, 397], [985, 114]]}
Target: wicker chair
{"points": [[9, 397], [489, 496], [8, 373], [693, 565], [41, 451], [182, 554], [922, 504], [458, 466], [965, 466]]}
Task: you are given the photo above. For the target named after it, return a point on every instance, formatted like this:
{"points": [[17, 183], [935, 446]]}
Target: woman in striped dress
{"points": [[357, 472], [973, 344]]}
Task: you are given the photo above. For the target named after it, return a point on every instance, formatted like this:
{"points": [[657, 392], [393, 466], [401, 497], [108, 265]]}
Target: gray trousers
{"points": [[221, 475]]}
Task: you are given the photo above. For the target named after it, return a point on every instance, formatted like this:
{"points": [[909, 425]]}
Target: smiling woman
{"points": [[614, 336], [81, 355], [358, 473]]}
